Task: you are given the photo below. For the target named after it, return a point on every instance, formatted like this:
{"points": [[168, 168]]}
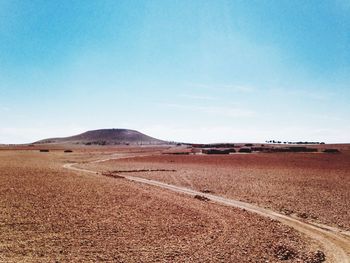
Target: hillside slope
{"points": [[107, 137]]}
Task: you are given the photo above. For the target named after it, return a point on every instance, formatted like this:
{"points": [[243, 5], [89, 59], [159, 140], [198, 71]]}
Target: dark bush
{"points": [[217, 151], [245, 150], [331, 151]]}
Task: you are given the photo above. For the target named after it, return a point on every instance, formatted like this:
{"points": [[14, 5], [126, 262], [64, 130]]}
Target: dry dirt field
{"points": [[312, 186], [51, 214]]}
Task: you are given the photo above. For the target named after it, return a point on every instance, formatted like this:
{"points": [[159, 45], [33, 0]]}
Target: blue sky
{"points": [[198, 71]]}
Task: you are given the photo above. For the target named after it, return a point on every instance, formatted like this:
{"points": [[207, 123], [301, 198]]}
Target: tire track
{"points": [[335, 242]]}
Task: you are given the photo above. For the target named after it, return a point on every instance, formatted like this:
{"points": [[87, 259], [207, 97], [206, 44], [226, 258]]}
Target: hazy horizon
{"points": [[189, 71], [277, 140]]}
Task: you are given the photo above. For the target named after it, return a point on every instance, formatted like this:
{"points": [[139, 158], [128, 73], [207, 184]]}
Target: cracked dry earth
{"points": [[50, 214]]}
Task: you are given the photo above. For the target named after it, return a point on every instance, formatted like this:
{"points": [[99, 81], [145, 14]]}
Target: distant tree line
{"points": [[285, 142], [213, 145]]}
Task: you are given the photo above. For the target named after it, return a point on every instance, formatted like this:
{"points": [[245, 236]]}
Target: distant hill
{"points": [[107, 137]]}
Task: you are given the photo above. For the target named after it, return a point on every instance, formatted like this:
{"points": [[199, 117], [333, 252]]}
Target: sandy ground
{"points": [[51, 214]]}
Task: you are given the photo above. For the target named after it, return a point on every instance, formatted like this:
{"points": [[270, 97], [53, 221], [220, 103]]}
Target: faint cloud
{"points": [[237, 88], [207, 133], [304, 93], [28, 135], [214, 110], [326, 117], [5, 109], [197, 97], [317, 95], [223, 87]]}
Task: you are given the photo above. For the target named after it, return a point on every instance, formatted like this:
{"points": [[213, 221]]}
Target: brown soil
{"points": [[51, 214], [312, 186]]}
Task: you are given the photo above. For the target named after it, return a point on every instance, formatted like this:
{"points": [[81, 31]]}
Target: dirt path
{"points": [[335, 242]]}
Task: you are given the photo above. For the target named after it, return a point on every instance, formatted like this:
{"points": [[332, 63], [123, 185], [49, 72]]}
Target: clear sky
{"points": [[194, 71]]}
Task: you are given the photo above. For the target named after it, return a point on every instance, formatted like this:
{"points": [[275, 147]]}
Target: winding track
{"points": [[335, 242]]}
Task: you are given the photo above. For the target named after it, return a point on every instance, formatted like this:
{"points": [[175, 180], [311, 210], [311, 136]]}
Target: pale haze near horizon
{"points": [[191, 71]]}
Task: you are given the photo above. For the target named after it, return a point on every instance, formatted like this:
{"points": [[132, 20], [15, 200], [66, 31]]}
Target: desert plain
{"points": [[84, 206]]}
